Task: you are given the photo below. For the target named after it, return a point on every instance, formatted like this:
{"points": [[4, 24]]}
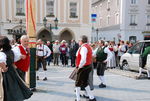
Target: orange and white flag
{"points": [[31, 18]]}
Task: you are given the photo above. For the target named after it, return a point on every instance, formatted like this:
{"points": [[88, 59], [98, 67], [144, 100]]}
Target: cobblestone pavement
{"points": [[121, 86]]}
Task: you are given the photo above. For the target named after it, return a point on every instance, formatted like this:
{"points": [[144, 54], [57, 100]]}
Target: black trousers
{"points": [[101, 68], [82, 76], [73, 58], [41, 60]]}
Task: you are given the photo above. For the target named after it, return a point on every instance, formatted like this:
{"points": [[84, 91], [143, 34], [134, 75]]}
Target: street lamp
{"points": [[97, 33], [45, 21], [55, 21]]}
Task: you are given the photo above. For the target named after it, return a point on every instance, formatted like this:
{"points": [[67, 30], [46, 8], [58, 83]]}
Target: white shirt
{"points": [[83, 52], [121, 50], [3, 57], [17, 52], [56, 48], [45, 51], [109, 54], [107, 51]]}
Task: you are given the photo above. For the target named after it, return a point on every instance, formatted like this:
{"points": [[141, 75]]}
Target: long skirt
{"points": [[15, 88]]}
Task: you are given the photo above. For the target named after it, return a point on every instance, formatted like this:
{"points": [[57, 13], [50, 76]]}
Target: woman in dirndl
{"points": [[14, 87]]}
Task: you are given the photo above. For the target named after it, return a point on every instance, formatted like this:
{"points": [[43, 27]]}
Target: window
{"points": [[49, 8], [133, 1], [148, 20], [20, 7], [133, 20], [117, 19], [118, 2], [132, 39], [136, 49], [73, 10], [149, 2], [108, 5], [108, 19]]}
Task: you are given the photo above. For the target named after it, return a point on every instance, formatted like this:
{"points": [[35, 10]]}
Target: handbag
{"points": [[73, 75]]}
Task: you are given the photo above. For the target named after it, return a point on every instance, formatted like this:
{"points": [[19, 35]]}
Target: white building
{"points": [[73, 18], [122, 19]]}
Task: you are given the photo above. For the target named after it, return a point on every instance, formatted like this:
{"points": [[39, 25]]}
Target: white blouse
{"points": [[17, 56]]}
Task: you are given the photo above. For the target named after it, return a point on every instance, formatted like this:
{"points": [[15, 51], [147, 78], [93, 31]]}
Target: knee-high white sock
{"points": [[89, 92], [78, 93], [85, 93], [148, 73], [45, 72], [140, 71], [102, 78]]}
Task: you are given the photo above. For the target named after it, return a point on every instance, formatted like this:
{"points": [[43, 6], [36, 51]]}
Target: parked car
{"points": [[130, 60]]}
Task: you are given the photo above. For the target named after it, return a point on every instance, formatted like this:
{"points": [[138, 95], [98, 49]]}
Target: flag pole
{"points": [[31, 32]]}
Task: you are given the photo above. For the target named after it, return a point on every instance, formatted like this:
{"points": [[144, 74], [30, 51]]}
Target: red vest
{"points": [[23, 64], [88, 57]]}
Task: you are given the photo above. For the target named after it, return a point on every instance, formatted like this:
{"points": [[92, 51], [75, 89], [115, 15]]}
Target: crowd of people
{"points": [[85, 56]]}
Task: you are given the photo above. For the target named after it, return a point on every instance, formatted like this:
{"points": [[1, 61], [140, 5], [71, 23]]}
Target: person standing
{"points": [[73, 50], [42, 53], [121, 51], [144, 60], [103, 55], [23, 63], [84, 66], [63, 51], [50, 58], [56, 53]]}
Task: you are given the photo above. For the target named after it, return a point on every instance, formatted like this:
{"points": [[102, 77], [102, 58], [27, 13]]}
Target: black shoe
{"points": [[45, 79], [37, 77], [148, 78], [85, 96], [33, 89], [102, 85], [92, 99], [138, 77]]}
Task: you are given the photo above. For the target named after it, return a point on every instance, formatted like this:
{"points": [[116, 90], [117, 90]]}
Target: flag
{"points": [[31, 18], [93, 17], [31, 32]]}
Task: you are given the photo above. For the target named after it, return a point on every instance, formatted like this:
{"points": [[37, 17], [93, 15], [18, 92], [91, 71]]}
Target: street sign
{"points": [[93, 16]]}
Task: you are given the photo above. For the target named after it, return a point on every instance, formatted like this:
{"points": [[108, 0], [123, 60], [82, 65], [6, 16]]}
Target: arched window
{"points": [[20, 7]]}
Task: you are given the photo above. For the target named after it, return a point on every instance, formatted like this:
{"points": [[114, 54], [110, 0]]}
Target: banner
{"points": [[31, 18]]}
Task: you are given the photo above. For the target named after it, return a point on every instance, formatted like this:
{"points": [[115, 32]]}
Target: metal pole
{"points": [[97, 33], [31, 32]]}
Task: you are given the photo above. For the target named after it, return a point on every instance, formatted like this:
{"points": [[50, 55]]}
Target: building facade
{"points": [[121, 19], [73, 19]]}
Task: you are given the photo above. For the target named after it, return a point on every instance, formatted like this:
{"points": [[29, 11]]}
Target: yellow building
{"points": [[73, 19]]}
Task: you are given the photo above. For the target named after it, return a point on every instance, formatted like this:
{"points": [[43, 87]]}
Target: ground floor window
{"points": [[132, 39]]}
